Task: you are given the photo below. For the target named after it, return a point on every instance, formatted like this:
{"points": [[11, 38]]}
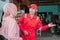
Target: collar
{"points": [[33, 16]]}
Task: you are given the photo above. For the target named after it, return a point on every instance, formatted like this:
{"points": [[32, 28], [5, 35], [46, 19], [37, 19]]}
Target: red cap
{"points": [[33, 6]]}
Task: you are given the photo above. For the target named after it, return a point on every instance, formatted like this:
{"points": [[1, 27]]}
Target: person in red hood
{"points": [[28, 23]]}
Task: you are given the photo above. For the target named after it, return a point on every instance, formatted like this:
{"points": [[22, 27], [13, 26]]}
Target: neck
{"points": [[31, 14]]}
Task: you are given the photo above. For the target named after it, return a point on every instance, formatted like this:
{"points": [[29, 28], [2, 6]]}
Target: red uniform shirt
{"points": [[30, 25]]}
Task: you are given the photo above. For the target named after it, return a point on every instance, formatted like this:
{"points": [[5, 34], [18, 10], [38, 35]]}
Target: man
{"points": [[28, 23]]}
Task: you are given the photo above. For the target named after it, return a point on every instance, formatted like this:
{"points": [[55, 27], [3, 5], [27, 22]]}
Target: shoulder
{"points": [[25, 15], [37, 18]]}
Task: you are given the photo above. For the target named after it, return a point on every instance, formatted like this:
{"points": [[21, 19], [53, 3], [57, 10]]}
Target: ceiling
{"points": [[44, 2]]}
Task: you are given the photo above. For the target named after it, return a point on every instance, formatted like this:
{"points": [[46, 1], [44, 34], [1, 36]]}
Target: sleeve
{"points": [[21, 19], [40, 26], [20, 22], [16, 29], [13, 28]]}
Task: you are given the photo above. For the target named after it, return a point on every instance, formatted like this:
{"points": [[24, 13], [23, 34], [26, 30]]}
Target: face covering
{"points": [[22, 11], [32, 10], [10, 9]]}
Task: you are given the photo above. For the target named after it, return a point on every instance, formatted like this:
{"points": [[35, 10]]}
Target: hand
{"points": [[51, 24], [25, 33], [21, 38]]}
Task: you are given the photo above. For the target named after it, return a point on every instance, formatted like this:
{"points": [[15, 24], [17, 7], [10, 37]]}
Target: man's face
{"points": [[32, 10]]}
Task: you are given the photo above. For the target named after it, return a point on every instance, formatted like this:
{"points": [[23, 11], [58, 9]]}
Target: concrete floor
{"points": [[48, 36]]}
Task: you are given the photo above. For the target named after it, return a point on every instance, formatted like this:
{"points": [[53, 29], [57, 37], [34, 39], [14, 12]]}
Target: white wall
{"points": [[5, 0], [2, 3]]}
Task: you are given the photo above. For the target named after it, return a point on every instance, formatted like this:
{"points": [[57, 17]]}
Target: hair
{"points": [[25, 7], [19, 1]]}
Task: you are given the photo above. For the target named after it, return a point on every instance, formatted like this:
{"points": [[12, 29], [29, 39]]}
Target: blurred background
{"points": [[48, 11]]}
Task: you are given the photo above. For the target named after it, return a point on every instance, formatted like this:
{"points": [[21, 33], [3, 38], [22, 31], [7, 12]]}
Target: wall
{"points": [[59, 12], [50, 8], [2, 3]]}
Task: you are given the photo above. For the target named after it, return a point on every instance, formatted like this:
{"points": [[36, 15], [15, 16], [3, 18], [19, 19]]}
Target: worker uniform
{"points": [[30, 25]]}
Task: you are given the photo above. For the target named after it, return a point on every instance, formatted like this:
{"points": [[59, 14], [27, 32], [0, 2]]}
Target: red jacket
{"points": [[30, 25]]}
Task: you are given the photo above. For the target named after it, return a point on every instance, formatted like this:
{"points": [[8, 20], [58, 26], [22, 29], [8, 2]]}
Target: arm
{"points": [[20, 22], [21, 19], [22, 28], [40, 25]]}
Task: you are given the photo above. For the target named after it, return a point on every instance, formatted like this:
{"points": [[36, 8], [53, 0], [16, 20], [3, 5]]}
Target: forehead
{"points": [[32, 8]]}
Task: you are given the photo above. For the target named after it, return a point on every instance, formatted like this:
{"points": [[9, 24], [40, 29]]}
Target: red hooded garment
{"points": [[30, 25]]}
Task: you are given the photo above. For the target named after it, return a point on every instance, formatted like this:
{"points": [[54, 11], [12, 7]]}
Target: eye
{"points": [[33, 8]]}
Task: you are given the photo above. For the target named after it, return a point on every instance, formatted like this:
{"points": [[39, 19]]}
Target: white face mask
{"points": [[22, 11], [32, 10]]}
